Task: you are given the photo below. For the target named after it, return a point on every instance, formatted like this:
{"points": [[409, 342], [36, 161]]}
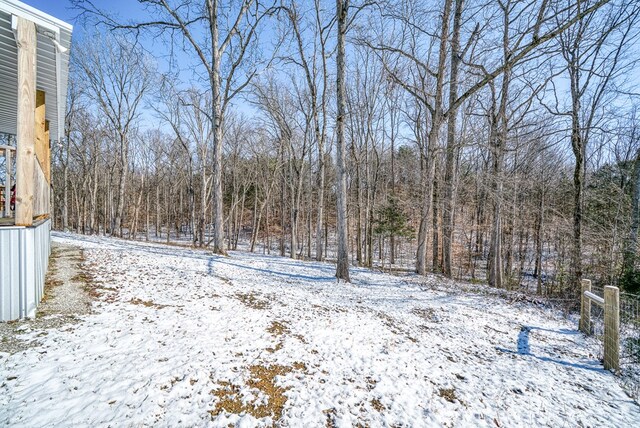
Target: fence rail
{"points": [[594, 297], [611, 337]]}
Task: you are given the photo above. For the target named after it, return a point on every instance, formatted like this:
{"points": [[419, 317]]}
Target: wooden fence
{"points": [[611, 305]]}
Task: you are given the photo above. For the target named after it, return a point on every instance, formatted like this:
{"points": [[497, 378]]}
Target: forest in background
{"points": [[495, 141]]}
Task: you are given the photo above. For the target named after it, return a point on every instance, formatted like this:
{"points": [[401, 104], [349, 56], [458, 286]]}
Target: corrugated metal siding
{"points": [[46, 78], [10, 274], [42, 242], [24, 258]]}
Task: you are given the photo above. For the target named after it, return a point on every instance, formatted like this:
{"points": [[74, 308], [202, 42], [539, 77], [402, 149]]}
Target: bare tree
{"points": [[308, 62], [342, 268], [222, 36], [593, 52], [118, 75], [404, 52]]}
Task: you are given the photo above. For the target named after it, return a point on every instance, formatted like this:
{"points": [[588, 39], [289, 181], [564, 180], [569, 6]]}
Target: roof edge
{"points": [[15, 7]]}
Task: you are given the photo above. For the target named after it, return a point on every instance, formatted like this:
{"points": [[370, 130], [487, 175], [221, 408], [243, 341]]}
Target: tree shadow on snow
{"points": [[272, 272], [524, 349], [157, 248]]}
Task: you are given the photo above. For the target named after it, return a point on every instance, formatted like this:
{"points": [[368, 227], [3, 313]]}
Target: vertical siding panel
{"points": [[24, 258]]}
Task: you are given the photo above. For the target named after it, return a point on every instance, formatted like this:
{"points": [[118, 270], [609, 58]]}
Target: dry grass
{"points": [[393, 325], [262, 378], [49, 284], [427, 314], [377, 405], [331, 418], [83, 278], [278, 328], [50, 281], [147, 303], [276, 348], [252, 301], [448, 394], [328, 310], [301, 367], [97, 291]]}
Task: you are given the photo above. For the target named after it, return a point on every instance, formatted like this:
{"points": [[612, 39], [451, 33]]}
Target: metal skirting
{"points": [[24, 258]]}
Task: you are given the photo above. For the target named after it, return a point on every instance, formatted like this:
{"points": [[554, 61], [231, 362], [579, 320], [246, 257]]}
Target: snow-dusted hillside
{"points": [[179, 337]]}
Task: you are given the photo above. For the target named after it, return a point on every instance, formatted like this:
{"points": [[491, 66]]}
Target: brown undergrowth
{"points": [[146, 303], [263, 379], [251, 300]]}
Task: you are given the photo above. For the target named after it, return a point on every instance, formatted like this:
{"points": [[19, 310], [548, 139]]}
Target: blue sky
{"points": [[123, 10], [58, 9], [62, 9]]}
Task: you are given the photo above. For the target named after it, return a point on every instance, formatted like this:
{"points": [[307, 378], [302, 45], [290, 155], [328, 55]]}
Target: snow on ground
{"points": [[180, 337]]}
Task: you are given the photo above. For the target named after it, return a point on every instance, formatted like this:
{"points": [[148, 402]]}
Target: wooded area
{"points": [[493, 140]]}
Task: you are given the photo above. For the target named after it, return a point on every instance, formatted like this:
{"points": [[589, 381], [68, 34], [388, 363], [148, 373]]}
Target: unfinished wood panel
{"points": [[25, 156], [611, 328], [47, 139], [585, 308], [40, 130], [41, 192]]}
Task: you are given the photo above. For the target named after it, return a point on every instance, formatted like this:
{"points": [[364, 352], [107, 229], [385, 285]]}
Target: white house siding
{"points": [[24, 257]]}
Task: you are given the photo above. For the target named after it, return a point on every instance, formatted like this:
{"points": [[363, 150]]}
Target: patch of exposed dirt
{"points": [[331, 418], [377, 405], [65, 299], [251, 300], [278, 328], [146, 303], [448, 394], [427, 314], [263, 379]]}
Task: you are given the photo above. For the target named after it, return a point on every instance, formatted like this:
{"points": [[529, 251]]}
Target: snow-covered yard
{"points": [[179, 337]]}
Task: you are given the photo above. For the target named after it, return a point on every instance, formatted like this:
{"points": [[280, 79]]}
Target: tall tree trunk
{"points": [[435, 242], [158, 224], [342, 266], [282, 207], [148, 210], [124, 170], [94, 200], [428, 174], [136, 212], [448, 208], [499, 130], [203, 207], [427, 184], [579, 149], [392, 238], [359, 202], [293, 213], [240, 221], [216, 123], [320, 208], [254, 224], [538, 237]]}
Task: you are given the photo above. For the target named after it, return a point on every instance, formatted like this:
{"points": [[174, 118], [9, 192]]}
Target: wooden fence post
{"points": [[611, 328], [25, 33], [585, 308]]}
